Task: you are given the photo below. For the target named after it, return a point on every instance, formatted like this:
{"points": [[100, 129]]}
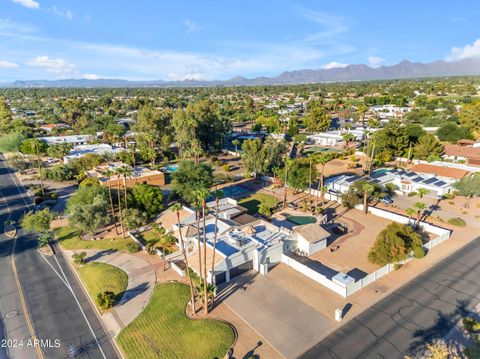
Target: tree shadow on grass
{"points": [[132, 293]]}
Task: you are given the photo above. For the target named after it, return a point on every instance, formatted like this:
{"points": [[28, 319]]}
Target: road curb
{"points": [[90, 301]]}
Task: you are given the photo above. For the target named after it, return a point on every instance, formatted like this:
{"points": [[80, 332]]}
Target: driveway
{"points": [[282, 319]]}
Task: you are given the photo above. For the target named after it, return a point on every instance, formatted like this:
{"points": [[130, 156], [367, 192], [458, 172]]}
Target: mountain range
{"points": [[359, 72]]}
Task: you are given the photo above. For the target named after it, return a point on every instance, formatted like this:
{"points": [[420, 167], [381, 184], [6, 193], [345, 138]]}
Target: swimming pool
{"points": [[171, 168], [300, 220], [381, 171]]}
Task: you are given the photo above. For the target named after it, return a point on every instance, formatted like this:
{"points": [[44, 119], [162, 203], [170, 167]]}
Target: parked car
{"points": [[386, 200]]}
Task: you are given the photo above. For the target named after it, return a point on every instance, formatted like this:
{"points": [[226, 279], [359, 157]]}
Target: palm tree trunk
{"points": [[310, 178], [417, 224], [199, 244], [205, 293], [125, 190], [215, 237], [187, 268], [365, 202], [285, 187], [120, 208], [111, 204], [322, 179]]}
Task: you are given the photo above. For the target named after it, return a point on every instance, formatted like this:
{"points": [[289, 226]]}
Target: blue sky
{"points": [[175, 40]]}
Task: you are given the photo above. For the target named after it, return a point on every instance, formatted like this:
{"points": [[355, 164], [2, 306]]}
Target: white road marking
{"points": [[65, 280]]}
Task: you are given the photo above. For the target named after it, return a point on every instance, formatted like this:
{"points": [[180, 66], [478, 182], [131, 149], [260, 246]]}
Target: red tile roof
{"points": [[439, 170], [462, 151]]}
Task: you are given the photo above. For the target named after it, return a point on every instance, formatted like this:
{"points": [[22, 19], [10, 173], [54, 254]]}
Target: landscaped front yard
{"points": [[164, 242], [69, 238], [163, 330], [252, 203], [101, 277]]}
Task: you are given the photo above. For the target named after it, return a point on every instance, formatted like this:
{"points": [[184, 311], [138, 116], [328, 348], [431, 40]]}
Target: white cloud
{"points": [[333, 65], [57, 66], [191, 25], [185, 76], [468, 51], [63, 13], [375, 61], [31, 4], [7, 65], [91, 77]]}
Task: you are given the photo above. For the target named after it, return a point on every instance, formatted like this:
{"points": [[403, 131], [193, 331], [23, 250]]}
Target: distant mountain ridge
{"points": [[358, 72]]}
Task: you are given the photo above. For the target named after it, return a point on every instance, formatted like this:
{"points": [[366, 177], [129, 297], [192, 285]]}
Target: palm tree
{"points": [[285, 184], [198, 205], [410, 213], [177, 208], [236, 143], [125, 171], [202, 195], [322, 160], [109, 174], [119, 197], [419, 207], [367, 189], [422, 192]]}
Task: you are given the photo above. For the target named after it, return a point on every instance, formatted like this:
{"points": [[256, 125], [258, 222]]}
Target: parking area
{"points": [[286, 322]]}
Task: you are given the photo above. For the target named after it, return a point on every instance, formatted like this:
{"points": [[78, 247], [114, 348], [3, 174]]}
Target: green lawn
{"points": [[100, 277], [162, 330], [69, 238], [252, 202], [151, 236]]}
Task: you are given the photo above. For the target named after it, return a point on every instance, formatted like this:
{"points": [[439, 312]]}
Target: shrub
{"points": [[459, 222], [214, 159], [397, 266], [79, 258], [411, 194], [394, 243], [451, 202], [226, 167], [43, 239], [53, 195], [448, 196], [471, 324], [151, 248], [418, 252], [105, 300], [133, 247], [218, 163]]}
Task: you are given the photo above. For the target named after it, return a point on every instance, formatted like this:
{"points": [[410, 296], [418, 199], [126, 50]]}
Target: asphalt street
{"points": [[423, 310], [60, 315]]}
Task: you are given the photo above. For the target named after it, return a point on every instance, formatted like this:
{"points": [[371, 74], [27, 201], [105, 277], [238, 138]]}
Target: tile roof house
{"points": [[467, 154]]}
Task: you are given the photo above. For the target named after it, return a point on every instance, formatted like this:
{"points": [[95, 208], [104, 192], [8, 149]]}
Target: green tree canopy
{"points": [[11, 142], [261, 158], [134, 218], [32, 146], [59, 150], [394, 243], [148, 198], [428, 148], [317, 119], [299, 173], [38, 221], [191, 176], [469, 116], [451, 132]]}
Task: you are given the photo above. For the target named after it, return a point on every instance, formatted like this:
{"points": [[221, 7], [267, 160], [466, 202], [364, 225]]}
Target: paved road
{"points": [[422, 310], [56, 305]]}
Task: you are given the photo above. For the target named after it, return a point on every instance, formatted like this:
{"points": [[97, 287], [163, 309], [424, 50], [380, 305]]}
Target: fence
{"points": [[314, 275], [442, 235]]}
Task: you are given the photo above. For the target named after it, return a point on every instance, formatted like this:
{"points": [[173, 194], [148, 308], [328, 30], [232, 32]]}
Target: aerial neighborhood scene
{"points": [[246, 180]]}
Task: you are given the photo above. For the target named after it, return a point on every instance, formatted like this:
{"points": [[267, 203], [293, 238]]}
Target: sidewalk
{"points": [[141, 283]]}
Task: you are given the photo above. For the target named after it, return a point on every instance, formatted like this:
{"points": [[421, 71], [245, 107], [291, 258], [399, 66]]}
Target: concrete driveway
{"points": [[286, 322]]}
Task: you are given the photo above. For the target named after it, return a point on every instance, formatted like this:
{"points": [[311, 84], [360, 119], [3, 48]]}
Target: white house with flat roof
{"points": [[72, 140], [82, 150]]}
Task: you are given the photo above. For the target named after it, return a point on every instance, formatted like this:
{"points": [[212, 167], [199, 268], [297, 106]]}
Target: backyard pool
{"points": [[318, 149], [300, 220], [381, 171], [170, 168]]}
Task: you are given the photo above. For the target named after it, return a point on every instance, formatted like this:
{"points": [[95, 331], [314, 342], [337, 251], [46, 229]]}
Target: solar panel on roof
{"points": [[440, 183], [417, 179], [375, 181], [430, 180], [410, 174], [352, 179]]}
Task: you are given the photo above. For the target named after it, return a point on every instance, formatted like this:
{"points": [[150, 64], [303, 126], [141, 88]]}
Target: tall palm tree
{"points": [[198, 205], [177, 208], [202, 195], [217, 199], [367, 189], [422, 192], [410, 213], [125, 171], [109, 174], [119, 197], [419, 207], [285, 184], [322, 160]]}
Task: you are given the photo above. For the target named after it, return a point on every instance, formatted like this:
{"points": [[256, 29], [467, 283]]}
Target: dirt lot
{"points": [[354, 246]]}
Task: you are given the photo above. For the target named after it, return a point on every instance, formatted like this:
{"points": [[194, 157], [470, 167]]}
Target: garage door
{"points": [[220, 278], [242, 268]]}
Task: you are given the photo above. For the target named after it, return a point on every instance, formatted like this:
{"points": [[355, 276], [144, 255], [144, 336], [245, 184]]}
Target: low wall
{"points": [[314, 275]]}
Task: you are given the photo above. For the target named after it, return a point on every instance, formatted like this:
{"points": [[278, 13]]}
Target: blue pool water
{"points": [[171, 168], [381, 171]]}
